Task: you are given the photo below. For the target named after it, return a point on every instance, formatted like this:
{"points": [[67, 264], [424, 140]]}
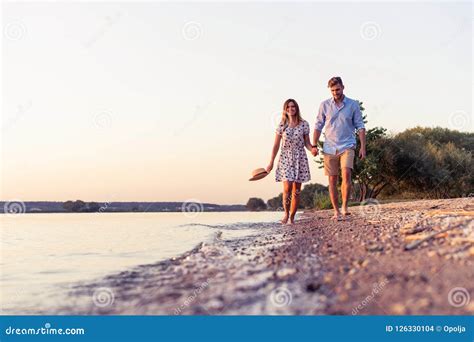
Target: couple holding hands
{"points": [[341, 118]]}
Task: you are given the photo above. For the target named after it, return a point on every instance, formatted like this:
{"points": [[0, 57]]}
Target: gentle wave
{"points": [[234, 226]]}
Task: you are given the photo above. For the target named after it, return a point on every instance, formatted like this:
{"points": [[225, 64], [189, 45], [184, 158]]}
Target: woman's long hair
{"points": [[284, 117]]}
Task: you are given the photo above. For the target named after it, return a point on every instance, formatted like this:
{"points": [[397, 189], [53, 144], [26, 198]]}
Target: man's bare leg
{"points": [[345, 189], [334, 196]]}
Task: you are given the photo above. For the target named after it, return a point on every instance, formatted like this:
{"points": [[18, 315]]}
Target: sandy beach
{"points": [[412, 258]]}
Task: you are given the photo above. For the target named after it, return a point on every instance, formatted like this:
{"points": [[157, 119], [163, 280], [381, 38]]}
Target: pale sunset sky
{"points": [[168, 101]]}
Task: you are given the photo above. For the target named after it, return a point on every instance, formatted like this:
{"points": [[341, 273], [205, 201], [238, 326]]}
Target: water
{"points": [[41, 254]]}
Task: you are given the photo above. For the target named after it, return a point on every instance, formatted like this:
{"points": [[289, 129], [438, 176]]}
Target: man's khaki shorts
{"points": [[332, 163]]}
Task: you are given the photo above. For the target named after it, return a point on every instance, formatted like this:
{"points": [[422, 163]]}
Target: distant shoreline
{"points": [[57, 207], [46, 207]]}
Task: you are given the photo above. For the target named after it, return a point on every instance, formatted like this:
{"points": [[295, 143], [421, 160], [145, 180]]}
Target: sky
{"points": [[170, 101]]}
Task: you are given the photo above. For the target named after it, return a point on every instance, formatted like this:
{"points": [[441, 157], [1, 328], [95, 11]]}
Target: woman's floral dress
{"points": [[293, 163]]}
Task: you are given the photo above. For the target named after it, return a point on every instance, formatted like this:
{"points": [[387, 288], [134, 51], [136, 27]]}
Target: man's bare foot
{"points": [[345, 212], [292, 219], [337, 217], [285, 219]]}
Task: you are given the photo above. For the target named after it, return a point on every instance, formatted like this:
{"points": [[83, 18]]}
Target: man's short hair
{"points": [[334, 81]]}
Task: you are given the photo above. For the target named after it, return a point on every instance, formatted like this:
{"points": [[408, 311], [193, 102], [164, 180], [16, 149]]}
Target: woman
{"points": [[293, 167]]}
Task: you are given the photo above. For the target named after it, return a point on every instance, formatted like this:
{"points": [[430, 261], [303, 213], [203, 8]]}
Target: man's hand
{"points": [[362, 153], [314, 151]]}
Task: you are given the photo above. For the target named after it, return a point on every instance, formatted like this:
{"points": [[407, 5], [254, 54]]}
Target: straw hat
{"points": [[258, 174]]}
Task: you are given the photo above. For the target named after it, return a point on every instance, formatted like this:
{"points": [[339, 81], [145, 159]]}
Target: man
{"points": [[342, 117]]}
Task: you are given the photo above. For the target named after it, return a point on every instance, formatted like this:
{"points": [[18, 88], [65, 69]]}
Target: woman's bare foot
{"points": [[336, 217], [345, 212], [285, 219], [292, 219]]}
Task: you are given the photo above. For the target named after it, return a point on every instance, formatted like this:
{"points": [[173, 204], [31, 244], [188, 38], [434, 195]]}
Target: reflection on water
{"points": [[44, 253]]}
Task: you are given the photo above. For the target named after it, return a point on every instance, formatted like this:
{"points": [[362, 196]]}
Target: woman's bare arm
{"points": [[276, 147]]}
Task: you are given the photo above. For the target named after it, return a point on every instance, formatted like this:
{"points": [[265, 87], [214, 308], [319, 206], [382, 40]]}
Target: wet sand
{"points": [[412, 258]]}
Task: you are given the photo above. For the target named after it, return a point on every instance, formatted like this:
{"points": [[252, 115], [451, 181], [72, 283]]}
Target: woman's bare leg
{"points": [[295, 200], [286, 200]]}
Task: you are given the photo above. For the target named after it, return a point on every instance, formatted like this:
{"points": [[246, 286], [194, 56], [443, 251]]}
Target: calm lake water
{"points": [[42, 254]]}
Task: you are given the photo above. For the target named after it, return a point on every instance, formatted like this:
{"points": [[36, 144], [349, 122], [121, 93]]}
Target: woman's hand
{"points": [[269, 167]]}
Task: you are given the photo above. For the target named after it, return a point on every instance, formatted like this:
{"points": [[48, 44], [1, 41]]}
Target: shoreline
{"points": [[20, 207], [358, 266]]}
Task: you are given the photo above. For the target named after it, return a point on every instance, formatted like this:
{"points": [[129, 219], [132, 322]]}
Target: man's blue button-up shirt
{"points": [[341, 124]]}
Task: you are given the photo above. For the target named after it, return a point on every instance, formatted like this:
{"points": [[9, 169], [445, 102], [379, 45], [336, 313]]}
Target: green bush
{"points": [[256, 204], [308, 194], [322, 200]]}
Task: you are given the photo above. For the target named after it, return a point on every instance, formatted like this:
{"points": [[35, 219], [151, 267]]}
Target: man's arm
{"points": [[316, 136], [318, 127], [362, 150], [359, 125]]}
